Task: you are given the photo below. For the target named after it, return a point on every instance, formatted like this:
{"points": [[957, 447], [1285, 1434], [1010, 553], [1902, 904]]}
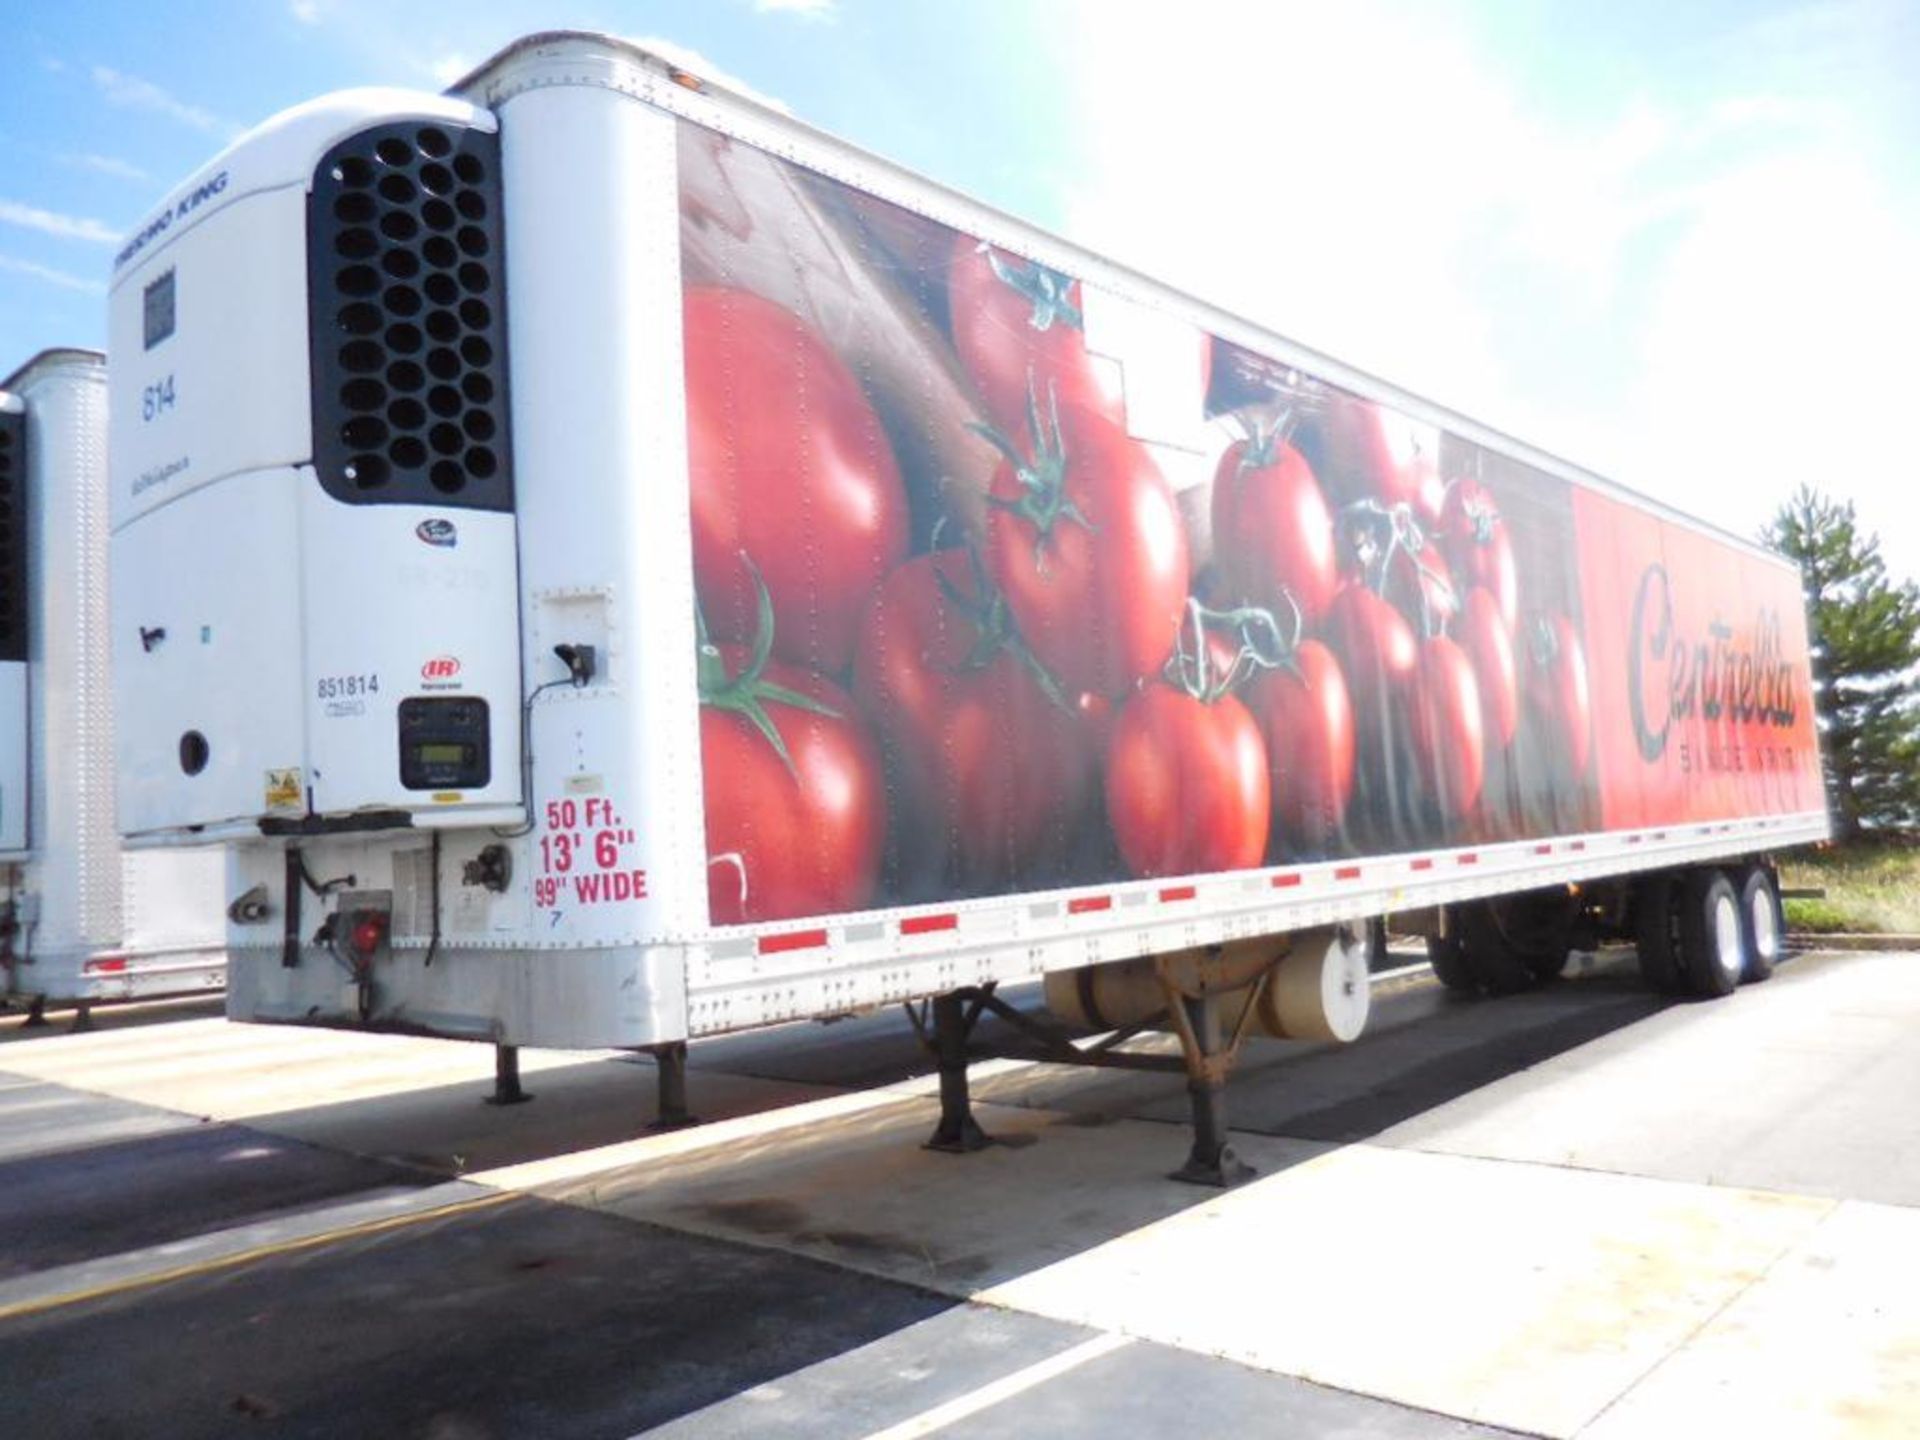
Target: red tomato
{"points": [[790, 468], [1272, 530], [1488, 643], [786, 842], [1306, 718], [1187, 784], [1372, 452], [1378, 652], [1475, 541], [1556, 688], [1085, 541], [1019, 329], [1445, 728], [993, 773], [1373, 638]]}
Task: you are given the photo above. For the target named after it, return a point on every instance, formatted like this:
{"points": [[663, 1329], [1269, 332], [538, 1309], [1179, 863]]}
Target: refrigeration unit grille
{"points": [[408, 318], [13, 535]]}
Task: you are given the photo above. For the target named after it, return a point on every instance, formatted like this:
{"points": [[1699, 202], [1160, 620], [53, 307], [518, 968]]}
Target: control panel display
{"points": [[444, 743]]}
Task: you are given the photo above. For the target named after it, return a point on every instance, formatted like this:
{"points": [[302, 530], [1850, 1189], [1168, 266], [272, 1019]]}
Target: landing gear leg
{"points": [[1209, 1057], [670, 1065], [506, 1077], [36, 1013], [82, 1019], [957, 1132]]}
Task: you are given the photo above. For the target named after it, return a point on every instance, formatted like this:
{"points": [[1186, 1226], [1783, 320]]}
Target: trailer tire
{"points": [[1536, 928], [1451, 968], [1501, 968], [1762, 921], [1657, 933], [1713, 937]]}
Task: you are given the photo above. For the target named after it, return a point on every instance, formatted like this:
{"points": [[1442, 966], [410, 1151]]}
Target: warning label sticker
{"points": [[283, 792]]}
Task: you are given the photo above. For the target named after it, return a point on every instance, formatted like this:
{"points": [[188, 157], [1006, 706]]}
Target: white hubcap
{"points": [[1766, 927], [1726, 934]]}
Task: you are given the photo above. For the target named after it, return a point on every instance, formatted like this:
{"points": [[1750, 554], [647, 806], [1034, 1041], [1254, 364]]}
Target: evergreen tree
{"points": [[1866, 650]]}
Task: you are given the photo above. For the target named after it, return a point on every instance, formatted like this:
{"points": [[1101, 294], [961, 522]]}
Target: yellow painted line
{"points": [[1005, 1388], [215, 1263]]}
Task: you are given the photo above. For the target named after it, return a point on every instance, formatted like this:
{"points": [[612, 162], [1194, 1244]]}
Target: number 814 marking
{"points": [[156, 399]]}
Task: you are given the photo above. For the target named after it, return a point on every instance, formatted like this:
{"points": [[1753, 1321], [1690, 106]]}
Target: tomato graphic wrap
{"points": [[1004, 586]]}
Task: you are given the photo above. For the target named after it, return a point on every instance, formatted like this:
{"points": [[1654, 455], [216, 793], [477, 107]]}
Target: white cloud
{"points": [[1706, 291], [136, 94], [1780, 350], [450, 67], [307, 12], [809, 9], [52, 222], [52, 276], [108, 165]]}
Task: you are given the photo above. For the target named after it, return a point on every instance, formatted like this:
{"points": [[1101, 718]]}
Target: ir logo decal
{"points": [[437, 532], [441, 672]]}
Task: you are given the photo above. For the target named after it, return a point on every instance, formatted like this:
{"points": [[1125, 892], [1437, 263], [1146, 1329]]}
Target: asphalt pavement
{"points": [[1583, 1211]]}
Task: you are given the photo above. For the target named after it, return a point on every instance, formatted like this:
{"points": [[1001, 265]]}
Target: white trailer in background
{"points": [[81, 919], [618, 565]]}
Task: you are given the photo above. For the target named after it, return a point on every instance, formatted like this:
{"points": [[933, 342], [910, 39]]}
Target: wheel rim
{"points": [[1766, 926], [1726, 934]]}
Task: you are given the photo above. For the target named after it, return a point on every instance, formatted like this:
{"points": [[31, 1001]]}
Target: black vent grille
{"points": [[409, 318], [13, 536]]}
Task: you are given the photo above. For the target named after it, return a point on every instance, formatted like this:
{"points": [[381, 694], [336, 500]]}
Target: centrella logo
{"points": [[441, 667], [1713, 676], [438, 532]]}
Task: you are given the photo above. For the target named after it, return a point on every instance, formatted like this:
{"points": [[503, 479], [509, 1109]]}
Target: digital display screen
{"points": [[159, 310], [441, 754]]}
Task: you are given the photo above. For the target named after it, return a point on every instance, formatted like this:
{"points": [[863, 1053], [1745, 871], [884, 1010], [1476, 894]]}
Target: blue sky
{"points": [[1674, 243]]}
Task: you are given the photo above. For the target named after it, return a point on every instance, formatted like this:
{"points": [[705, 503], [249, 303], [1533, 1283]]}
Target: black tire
{"points": [[1501, 968], [1762, 922], [1450, 964], [1713, 948], [1543, 933], [1657, 932], [1536, 928]]}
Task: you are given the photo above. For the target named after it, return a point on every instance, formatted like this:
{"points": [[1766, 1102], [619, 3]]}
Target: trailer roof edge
{"points": [[54, 355], [680, 97]]}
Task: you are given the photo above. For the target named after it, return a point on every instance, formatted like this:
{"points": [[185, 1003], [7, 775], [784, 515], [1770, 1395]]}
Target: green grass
{"points": [[1872, 887]]}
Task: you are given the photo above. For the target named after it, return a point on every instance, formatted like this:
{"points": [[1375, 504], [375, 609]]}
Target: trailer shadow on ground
{"points": [[16, 1027]]}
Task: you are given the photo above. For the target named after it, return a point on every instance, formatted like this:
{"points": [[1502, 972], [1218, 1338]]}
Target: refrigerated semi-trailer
{"points": [[617, 565], [82, 919]]}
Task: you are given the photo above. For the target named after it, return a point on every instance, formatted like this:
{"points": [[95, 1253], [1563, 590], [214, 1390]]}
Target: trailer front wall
{"points": [[1008, 584]]}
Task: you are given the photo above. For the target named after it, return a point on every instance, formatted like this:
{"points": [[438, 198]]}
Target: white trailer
{"points": [[82, 919], [618, 565]]}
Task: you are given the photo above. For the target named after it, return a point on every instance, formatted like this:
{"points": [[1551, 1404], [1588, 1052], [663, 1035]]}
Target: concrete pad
{"points": [[575, 1108], [1512, 1295], [979, 1372], [226, 1071], [389, 1097], [1795, 1085], [1826, 1344], [856, 1189]]}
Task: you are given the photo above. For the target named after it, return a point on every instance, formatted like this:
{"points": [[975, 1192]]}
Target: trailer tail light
{"points": [[367, 934], [408, 318], [106, 965]]}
